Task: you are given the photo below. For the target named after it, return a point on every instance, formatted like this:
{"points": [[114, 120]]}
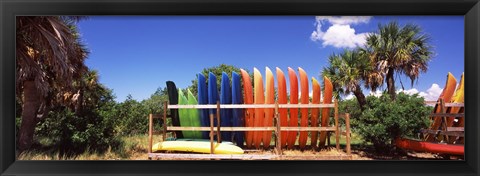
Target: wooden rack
{"points": [[276, 128], [445, 131]]}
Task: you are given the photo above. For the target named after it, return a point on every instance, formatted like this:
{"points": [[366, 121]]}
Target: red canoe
{"points": [[423, 146]]}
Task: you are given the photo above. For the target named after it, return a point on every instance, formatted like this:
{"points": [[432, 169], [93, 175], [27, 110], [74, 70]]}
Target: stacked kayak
{"points": [[237, 88], [449, 95]]}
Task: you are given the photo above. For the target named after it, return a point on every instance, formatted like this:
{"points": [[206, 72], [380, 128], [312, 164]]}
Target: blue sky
{"points": [[136, 55]]}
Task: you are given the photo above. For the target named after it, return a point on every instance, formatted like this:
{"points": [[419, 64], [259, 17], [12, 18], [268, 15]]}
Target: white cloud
{"points": [[340, 34], [377, 93], [431, 94], [349, 96]]}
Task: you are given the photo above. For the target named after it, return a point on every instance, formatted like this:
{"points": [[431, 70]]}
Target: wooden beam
{"points": [[440, 132], [244, 106], [174, 156], [278, 134], [219, 136], [337, 129], [212, 148], [150, 131], [462, 129], [171, 128], [436, 115], [347, 124], [165, 109]]}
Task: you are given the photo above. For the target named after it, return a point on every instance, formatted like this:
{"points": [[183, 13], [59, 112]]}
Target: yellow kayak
{"points": [[196, 147]]}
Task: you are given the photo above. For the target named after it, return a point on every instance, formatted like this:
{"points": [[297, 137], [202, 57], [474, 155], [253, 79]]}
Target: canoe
{"points": [[269, 99], [446, 95], [212, 95], [422, 146], [315, 111], [196, 147], [302, 140], [327, 99], [203, 99], [293, 120], [183, 115], [282, 99], [237, 114], [173, 100], [225, 114], [193, 115], [248, 99], [259, 99]]}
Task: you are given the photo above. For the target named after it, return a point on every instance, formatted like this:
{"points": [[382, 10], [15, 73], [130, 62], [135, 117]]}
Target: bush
{"points": [[383, 120]]}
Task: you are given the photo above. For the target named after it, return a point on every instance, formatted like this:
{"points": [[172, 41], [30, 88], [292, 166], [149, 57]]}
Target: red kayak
{"points": [[423, 146]]}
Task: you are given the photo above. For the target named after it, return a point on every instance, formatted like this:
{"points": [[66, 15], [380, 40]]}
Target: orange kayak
{"points": [[282, 99], [458, 97], [293, 121], [304, 111], [269, 99], [259, 99], [315, 111], [327, 99], [248, 99], [446, 95]]}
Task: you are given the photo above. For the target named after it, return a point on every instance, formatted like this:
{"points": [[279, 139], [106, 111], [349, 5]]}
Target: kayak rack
{"points": [[450, 134], [215, 130]]}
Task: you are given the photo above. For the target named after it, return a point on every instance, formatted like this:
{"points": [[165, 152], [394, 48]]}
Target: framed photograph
{"points": [[239, 87]]}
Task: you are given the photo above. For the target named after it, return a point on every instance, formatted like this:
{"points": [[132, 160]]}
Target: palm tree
{"points": [[348, 71], [401, 49], [49, 57]]}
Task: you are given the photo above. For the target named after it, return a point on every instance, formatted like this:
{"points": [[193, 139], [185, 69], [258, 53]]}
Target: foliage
{"points": [[401, 49], [217, 71], [385, 119], [74, 133], [131, 117]]}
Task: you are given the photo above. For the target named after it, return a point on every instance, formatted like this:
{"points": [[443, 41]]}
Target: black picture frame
{"points": [[9, 9]]}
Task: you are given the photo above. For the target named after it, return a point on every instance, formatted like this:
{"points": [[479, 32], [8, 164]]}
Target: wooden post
{"points": [[219, 136], [150, 132], [337, 130], [278, 133], [211, 135], [164, 137], [347, 126], [444, 119]]}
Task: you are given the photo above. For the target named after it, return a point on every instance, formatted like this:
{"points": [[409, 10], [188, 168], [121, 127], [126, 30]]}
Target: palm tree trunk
{"points": [[362, 101], [31, 104], [391, 83]]}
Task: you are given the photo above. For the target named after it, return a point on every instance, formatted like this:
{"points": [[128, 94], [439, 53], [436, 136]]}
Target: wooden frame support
{"points": [[277, 129]]}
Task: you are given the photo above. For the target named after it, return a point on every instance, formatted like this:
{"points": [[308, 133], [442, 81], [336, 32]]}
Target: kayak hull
{"points": [[196, 147], [248, 99], [422, 146]]}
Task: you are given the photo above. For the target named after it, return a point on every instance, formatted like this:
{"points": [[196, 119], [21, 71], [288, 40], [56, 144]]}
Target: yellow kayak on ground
{"points": [[196, 147]]}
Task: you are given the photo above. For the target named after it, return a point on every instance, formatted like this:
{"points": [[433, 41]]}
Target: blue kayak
{"points": [[212, 95], [226, 114], [237, 114], [203, 99]]}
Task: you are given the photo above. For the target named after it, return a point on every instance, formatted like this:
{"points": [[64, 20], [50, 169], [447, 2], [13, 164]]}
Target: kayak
{"points": [[282, 99], [183, 115], [259, 99], [193, 115], [213, 95], [269, 99], [196, 147], [226, 114], [203, 99], [248, 99], [446, 95], [293, 121], [237, 114], [422, 146], [458, 97], [327, 99], [304, 111], [173, 100], [315, 111]]}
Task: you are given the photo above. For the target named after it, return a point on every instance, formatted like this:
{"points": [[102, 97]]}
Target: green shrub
{"points": [[383, 120]]}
